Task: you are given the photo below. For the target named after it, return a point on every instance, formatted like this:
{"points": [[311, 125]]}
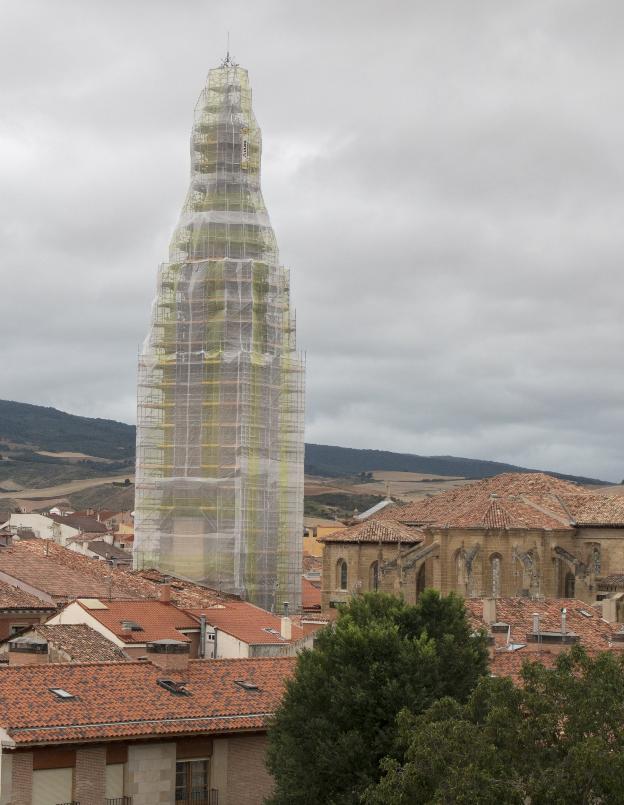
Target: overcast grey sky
{"points": [[445, 180]]}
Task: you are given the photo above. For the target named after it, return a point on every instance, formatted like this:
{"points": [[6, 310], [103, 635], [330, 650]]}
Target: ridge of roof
{"points": [[375, 530], [525, 500]]}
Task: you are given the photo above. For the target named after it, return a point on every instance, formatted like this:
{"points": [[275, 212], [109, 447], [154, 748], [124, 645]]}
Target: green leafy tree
{"points": [[557, 739], [338, 718]]}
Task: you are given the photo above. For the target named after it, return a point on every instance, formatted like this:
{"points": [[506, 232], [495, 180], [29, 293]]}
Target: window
{"points": [[373, 582], [495, 571], [51, 786], [341, 575], [62, 694], [245, 685], [114, 781], [421, 580], [16, 628], [192, 781], [569, 585]]}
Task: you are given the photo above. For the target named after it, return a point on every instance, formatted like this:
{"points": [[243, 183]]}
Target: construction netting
{"points": [[219, 475]]}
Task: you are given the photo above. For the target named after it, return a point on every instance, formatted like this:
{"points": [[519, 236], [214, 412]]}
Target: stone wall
{"points": [[477, 563]]}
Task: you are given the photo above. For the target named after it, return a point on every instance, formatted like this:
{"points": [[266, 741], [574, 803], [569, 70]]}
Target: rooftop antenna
{"points": [[228, 61]]}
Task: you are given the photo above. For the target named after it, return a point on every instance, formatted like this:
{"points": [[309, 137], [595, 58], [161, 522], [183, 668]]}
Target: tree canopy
{"points": [[338, 718], [558, 738]]}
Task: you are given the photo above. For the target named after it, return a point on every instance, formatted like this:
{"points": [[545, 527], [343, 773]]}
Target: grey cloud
{"points": [[445, 181]]}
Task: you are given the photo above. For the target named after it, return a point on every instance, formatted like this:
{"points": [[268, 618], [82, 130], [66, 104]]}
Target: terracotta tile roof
{"points": [[311, 563], [509, 663], [107, 551], [66, 575], [80, 642], [61, 573], [14, 598], [612, 580], [248, 623], [513, 500], [311, 594], [581, 619], [375, 530], [184, 594], [124, 700], [158, 620], [89, 525]]}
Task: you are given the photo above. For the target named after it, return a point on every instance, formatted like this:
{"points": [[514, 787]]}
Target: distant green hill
{"points": [[322, 459], [49, 429], [25, 429]]}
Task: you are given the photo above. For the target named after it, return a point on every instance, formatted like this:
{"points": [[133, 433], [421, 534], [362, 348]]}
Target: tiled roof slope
{"points": [[13, 598], [59, 572], [80, 642], [107, 551], [509, 663], [158, 620], [124, 700], [184, 594], [513, 500], [89, 525], [310, 595], [375, 531], [65, 575], [594, 632], [248, 623]]}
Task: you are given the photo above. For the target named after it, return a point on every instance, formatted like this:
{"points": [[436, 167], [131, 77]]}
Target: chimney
{"points": [[165, 593], [170, 655], [536, 623], [29, 650], [202, 636], [286, 608], [286, 628], [489, 610], [564, 615]]}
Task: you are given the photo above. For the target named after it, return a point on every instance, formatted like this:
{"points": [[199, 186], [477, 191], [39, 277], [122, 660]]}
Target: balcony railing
{"points": [[200, 798], [118, 801]]}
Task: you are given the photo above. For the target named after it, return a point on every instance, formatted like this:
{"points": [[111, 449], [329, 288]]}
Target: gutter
{"points": [[7, 741]]}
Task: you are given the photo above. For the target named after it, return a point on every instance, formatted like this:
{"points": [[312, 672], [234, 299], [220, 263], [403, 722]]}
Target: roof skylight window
{"points": [[131, 626], [177, 688], [62, 694], [245, 685]]}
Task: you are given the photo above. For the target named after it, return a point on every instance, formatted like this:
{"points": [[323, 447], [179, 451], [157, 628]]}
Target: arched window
{"points": [[595, 559], [495, 575], [373, 580], [570, 582], [420, 581], [341, 575]]}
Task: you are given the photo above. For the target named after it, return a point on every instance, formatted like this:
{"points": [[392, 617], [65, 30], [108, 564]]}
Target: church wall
{"points": [[598, 551], [359, 558]]}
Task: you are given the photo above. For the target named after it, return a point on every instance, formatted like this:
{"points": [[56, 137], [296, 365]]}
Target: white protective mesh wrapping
{"points": [[219, 480]]}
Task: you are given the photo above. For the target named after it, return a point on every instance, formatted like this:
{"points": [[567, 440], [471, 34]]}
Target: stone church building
{"points": [[517, 534]]}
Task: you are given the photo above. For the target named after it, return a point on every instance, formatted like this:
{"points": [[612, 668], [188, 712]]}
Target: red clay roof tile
{"points": [[374, 530], [124, 700], [248, 623], [158, 620], [513, 500]]}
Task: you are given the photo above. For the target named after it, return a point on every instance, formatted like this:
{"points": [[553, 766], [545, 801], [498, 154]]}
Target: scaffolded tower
{"points": [[219, 474]]}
